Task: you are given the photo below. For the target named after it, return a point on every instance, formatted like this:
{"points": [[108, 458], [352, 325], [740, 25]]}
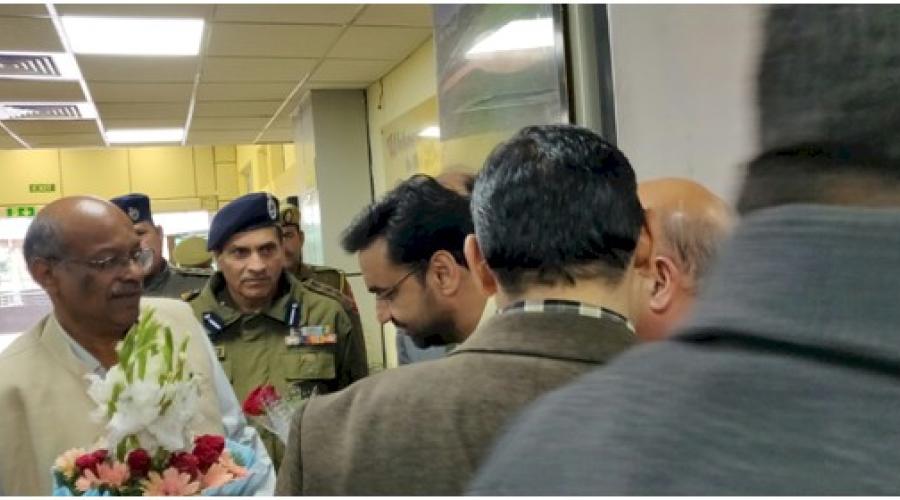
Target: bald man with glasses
{"points": [[85, 254]]}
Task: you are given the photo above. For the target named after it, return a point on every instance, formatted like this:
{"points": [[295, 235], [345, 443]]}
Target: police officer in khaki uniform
{"points": [[163, 280], [268, 328], [293, 251]]}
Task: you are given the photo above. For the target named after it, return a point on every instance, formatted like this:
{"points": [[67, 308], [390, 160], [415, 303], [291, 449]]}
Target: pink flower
{"points": [[217, 475], [65, 463], [112, 475], [171, 483]]}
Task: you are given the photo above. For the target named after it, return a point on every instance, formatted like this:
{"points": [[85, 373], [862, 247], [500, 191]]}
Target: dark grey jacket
{"points": [[422, 429], [785, 382]]}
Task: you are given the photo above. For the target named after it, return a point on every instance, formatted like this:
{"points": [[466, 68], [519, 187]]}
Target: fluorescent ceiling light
{"points": [[517, 35], [47, 111], [133, 36], [141, 135], [431, 132], [38, 66]]}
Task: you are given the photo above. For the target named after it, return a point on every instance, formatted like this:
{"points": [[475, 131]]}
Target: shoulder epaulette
{"points": [[190, 295], [330, 292], [194, 271]]}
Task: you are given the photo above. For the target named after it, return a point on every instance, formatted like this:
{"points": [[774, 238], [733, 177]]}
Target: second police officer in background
{"points": [[163, 280], [268, 328]]}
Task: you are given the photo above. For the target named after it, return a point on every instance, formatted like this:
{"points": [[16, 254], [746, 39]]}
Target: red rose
{"points": [[100, 455], [186, 463], [138, 462], [207, 449], [256, 401], [87, 462]]}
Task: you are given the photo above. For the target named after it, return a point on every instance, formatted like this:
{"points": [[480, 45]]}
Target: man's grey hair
{"points": [[694, 242], [43, 240]]}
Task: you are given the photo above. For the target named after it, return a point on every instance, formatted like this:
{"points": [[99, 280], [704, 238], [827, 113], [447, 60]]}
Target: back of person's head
{"points": [[827, 88], [417, 218], [556, 204]]}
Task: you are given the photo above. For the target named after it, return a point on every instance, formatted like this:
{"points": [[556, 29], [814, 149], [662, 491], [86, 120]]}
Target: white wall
{"points": [[684, 89]]}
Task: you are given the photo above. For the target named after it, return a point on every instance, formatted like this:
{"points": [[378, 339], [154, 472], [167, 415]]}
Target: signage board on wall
{"points": [[41, 188], [20, 211]]}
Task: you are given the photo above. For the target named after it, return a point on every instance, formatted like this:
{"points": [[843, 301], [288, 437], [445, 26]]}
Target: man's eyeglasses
{"points": [[388, 295], [118, 263]]}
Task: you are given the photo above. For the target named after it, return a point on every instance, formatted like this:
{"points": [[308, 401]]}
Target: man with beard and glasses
{"points": [[564, 274], [268, 328], [85, 254]]}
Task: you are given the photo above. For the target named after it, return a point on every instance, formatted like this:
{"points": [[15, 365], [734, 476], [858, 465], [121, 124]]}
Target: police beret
{"points": [[192, 252], [136, 206], [251, 211], [290, 215]]}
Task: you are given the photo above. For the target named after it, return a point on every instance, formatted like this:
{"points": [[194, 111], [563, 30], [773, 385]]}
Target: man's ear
{"points": [[479, 268], [666, 280], [159, 230], [301, 236], [446, 272], [43, 273]]}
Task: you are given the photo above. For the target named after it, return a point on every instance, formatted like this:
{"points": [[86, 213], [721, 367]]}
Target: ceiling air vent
{"points": [[28, 65], [40, 112]]}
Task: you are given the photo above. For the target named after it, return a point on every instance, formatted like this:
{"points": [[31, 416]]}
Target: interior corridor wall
{"points": [[684, 89]]}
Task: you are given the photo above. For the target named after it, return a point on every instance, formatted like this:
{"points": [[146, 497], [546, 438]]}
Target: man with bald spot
{"points": [[688, 223], [84, 253]]}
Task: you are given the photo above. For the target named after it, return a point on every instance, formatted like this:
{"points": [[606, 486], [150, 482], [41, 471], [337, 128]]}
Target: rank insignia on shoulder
{"points": [[311, 335]]}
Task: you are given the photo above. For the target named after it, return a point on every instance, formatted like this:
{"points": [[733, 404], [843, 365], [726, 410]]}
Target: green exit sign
{"points": [[41, 188], [20, 211]]}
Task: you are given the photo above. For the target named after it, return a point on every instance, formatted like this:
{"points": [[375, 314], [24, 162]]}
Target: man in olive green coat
{"points": [[289, 219], [268, 328], [162, 280]]}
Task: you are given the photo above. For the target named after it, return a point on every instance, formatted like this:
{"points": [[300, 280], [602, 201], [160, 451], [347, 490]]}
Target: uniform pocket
{"points": [[308, 365]]}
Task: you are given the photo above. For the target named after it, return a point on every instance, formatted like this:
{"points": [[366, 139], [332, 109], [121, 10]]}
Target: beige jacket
{"points": [[44, 406]]}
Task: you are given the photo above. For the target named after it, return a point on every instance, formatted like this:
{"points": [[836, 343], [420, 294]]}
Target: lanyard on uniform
{"points": [[292, 314]]}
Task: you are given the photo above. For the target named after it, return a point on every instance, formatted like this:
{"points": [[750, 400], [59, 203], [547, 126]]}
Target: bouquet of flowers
{"points": [[147, 402], [273, 412]]}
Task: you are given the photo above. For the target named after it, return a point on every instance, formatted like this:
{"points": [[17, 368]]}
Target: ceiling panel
{"points": [[228, 123], [113, 110], [278, 135], [141, 92], [23, 10], [352, 70], [63, 141], [295, 14], [7, 142], [135, 10], [270, 40], [337, 85], [238, 69], [236, 108], [379, 43], [114, 123], [40, 90], [48, 127], [222, 136], [243, 91], [29, 34], [396, 15], [138, 69]]}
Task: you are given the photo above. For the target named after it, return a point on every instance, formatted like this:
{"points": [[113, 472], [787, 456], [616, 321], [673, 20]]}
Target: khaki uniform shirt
{"points": [[172, 282], [335, 278], [267, 347]]}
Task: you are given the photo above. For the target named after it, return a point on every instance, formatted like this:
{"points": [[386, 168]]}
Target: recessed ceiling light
{"points": [[38, 66], [133, 36], [431, 132], [142, 135], [47, 111], [517, 35]]}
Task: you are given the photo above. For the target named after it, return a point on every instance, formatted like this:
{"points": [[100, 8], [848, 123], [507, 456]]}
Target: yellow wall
{"points": [[175, 178], [406, 87]]}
